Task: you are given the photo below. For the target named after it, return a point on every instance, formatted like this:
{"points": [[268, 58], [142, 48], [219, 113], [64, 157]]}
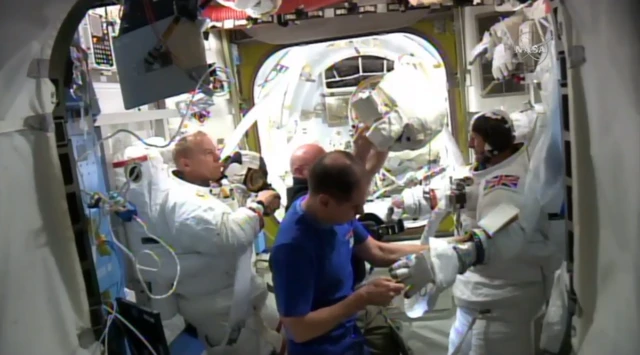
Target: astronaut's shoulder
{"points": [[186, 201]]}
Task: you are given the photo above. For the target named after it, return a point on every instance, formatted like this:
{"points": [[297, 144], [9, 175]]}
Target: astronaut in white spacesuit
{"points": [[210, 236], [500, 259]]}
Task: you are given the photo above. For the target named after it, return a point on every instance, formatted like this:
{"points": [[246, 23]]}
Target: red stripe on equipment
{"points": [[123, 163]]}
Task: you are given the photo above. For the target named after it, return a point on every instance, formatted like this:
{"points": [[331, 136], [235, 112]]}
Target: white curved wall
{"points": [[279, 136]]}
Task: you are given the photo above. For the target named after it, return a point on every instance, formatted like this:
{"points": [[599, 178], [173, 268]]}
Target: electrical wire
{"points": [[104, 336], [173, 254], [131, 327]]}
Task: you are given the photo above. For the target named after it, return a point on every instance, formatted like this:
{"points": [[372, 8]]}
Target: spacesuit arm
{"points": [[499, 236], [374, 163], [211, 231], [416, 202]]}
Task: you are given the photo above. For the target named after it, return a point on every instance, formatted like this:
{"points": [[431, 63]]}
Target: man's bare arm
{"points": [[374, 163], [381, 254], [365, 152]]}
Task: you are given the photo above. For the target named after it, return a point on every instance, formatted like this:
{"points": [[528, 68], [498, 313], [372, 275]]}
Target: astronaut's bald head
{"points": [[303, 157]]}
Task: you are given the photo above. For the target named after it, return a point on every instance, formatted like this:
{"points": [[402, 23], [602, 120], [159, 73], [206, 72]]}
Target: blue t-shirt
{"points": [[311, 267]]}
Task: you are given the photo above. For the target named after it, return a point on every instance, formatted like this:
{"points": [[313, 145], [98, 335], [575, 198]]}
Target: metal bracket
{"points": [[577, 56]]}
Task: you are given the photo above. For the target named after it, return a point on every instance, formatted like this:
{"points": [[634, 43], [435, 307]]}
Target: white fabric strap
{"points": [[38, 69], [41, 122]]}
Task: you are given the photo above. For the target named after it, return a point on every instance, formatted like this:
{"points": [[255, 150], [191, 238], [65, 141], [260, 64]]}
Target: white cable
{"points": [[134, 259], [105, 332], [106, 338], [173, 254], [171, 140], [133, 329]]}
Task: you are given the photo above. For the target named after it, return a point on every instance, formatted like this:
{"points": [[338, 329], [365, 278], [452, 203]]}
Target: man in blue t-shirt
{"points": [[311, 261]]}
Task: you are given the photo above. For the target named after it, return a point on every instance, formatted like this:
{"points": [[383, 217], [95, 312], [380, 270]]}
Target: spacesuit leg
{"points": [[259, 333], [459, 336], [212, 325], [476, 334], [257, 338]]}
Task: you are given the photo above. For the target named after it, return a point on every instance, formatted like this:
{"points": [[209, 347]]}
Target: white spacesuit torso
{"points": [[218, 288], [497, 283], [203, 255]]}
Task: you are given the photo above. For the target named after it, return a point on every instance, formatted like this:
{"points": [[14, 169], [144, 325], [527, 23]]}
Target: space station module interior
{"points": [[97, 94]]}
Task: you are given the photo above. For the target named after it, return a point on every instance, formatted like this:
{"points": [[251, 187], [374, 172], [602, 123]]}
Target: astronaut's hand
{"points": [[415, 271], [379, 292], [271, 200], [503, 62], [484, 48]]}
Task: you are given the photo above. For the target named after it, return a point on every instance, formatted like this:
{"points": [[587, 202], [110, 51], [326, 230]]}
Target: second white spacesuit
{"points": [[212, 240], [502, 295], [502, 265]]}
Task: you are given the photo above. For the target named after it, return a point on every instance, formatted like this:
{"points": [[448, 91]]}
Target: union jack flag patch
{"points": [[501, 182]]}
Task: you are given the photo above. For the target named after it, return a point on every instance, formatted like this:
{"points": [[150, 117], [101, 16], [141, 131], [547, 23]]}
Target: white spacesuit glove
{"points": [[396, 134], [485, 48], [433, 271], [507, 32], [503, 62]]}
